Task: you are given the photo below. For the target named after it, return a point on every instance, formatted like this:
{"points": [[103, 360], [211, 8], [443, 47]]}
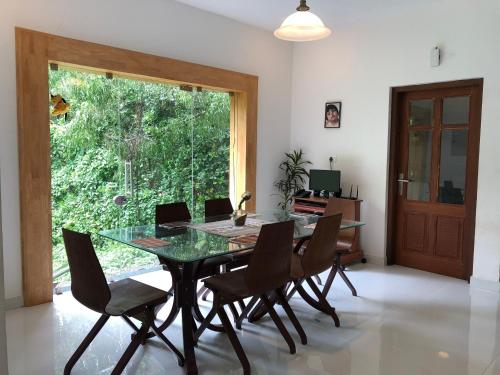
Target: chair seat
{"points": [[344, 247], [128, 296], [229, 284]]}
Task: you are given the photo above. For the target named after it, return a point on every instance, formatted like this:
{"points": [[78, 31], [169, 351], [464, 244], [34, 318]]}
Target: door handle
{"points": [[400, 182]]}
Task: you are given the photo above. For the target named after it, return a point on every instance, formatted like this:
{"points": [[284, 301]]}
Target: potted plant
{"points": [[294, 173]]}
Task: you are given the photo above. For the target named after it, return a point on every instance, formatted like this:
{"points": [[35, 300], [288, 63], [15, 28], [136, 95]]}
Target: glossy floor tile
{"points": [[403, 322]]}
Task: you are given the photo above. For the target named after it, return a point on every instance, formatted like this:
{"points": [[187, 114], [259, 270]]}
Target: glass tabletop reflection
{"points": [[204, 238]]}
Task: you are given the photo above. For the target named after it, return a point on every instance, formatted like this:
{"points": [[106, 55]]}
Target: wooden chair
{"points": [[179, 212], [172, 212], [125, 298], [347, 241], [315, 258], [218, 207], [267, 271], [215, 208]]}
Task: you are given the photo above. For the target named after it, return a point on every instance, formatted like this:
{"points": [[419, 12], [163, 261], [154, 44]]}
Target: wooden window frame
{"points": [[34, 52]]}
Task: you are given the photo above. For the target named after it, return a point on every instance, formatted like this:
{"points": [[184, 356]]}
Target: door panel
{"points": [[416, 225], [449, 237], [438, 141]]}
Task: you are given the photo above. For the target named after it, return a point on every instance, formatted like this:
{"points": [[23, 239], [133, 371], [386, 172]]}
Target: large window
{"points": [[126, 145]]}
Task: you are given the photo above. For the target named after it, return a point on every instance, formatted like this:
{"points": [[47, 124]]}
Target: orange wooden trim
{"points": [[34, 51]]}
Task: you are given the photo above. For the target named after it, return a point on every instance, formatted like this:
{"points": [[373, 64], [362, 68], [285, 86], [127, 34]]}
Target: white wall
{"points": [[358, 65], [160, 27]]}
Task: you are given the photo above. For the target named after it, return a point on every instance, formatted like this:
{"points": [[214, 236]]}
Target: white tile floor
{"points": [[403, 322]]}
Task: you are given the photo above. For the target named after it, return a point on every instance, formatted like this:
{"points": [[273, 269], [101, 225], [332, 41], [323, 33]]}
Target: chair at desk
{"points": [[312, 259], [347, 241]]}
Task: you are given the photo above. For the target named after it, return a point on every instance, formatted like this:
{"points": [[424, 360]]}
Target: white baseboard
{"points": [[14, 303], [492, 286], [376, 259]]}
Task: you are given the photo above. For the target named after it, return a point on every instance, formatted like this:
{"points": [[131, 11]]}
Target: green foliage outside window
{"points": [[177, 143]]}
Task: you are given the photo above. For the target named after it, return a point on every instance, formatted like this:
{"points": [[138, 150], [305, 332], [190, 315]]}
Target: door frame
{"points": [[34, 52], [3, 336], [396, 95]]}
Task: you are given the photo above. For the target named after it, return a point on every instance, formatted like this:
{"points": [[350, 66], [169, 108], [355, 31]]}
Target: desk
{"points": [[184, 250], [350, 209]]}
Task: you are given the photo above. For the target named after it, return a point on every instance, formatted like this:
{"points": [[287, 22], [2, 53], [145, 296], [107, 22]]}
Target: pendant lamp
{"points": [[302, 26]]}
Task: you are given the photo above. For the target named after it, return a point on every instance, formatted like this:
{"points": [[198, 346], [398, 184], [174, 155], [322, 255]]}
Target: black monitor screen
{"points": [[323, 179]]}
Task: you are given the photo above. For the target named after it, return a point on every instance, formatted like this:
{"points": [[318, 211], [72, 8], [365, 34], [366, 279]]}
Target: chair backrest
{"points": [[172, 212], [347, 208], [269, 265], [88, 283], [218, 207], [320, 251]]}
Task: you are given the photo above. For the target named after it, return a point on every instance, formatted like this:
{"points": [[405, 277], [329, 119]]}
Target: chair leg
{"points": [[348, 282], [85, 343], [246, 311], [260, 310], [292, 291], [234, 340], [130, 323], [234, 312], [180, 357], [201, 291], [291, 315], [206, 322], [277, 321], [323, 301], [331, 276], [318, 279], [205, 294], [242, 305], [197, 314], [308, 299], [257, 313], [134, 344]]}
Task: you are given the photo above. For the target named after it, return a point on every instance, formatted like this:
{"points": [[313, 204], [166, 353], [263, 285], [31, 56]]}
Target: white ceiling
{"points": [[268, 14]]}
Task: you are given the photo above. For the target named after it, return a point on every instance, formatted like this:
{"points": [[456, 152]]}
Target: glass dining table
{"points": [[183, 247]]}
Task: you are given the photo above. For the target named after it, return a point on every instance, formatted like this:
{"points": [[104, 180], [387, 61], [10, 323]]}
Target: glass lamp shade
{"points": [[302, 27]]}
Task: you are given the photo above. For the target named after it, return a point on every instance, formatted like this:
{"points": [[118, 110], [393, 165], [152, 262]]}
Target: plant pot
{"points": [[239, 218]]}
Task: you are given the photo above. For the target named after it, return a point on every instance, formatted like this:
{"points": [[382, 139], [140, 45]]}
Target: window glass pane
{"points": [[124, 147], [421, 112], [453, 166], [210, 148], [419, 165], [456, 110]]}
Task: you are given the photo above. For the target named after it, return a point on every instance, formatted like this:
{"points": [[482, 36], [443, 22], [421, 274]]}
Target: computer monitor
{"points": [[323, 179]]}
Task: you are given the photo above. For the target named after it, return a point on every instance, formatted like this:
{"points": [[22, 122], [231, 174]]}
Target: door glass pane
{"points": [[453, 166], [421, 112], [419, 165], [456, 110]]}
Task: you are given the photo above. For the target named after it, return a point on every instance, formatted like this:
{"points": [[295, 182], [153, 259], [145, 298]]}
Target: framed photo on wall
{"points": [[333, 111]]}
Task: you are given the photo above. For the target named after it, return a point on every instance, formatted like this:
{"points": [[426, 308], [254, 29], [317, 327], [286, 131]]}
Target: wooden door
{"points": [[436, 179]]}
